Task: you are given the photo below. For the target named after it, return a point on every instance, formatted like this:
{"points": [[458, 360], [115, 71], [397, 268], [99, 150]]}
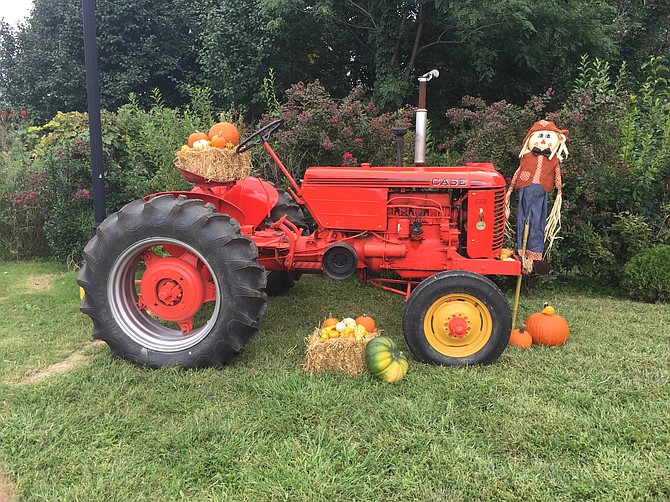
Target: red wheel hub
{"points": [[172, 289], [458, 326], [169, 291]]}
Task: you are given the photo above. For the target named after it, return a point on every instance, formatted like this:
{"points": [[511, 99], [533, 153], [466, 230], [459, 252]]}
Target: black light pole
{"points": [[94, 122]]}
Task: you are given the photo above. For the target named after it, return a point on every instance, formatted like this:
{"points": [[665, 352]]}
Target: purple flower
{"points": [[358, 140], [347, 155]]}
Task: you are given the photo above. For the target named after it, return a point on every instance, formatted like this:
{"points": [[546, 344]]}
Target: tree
{"points": [[642, 29], [141, 45], [504, 49], [8, 52]]}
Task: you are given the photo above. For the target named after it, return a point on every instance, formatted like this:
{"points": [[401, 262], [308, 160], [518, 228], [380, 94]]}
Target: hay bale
{"points": [[345, 355], [214, 164]]}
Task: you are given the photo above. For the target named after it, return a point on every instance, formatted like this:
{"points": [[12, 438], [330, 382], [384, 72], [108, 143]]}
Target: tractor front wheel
{"points": [[170, 282], [457, 318]]}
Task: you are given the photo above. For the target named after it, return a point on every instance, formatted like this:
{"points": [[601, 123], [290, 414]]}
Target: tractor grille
{"points": [[499, 218]]}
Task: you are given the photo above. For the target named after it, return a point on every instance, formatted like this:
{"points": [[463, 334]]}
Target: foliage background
{"points": [[341, 75], [510, 49]]}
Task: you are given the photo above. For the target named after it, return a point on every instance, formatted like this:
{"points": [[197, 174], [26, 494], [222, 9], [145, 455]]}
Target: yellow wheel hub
{"points": [[457, 325]]}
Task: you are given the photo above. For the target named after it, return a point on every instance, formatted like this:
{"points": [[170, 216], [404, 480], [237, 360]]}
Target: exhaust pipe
{"points": [[421, 119]]}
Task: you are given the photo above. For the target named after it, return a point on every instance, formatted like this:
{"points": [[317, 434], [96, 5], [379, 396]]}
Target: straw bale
{"points": [[345, 355], [215, 164]]}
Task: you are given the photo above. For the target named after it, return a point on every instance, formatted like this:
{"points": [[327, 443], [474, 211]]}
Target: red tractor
{"points": [[182, 278]]}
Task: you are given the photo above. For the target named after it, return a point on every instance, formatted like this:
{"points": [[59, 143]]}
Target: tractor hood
{"points": [[479, 175], [356, 198]]}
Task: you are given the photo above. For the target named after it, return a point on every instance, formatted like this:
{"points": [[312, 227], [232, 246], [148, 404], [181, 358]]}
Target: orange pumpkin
{"points": [[196, 136], [331, 321], [219, 141], [547, 328], [520, 338], [367, 322], [227, 130]]}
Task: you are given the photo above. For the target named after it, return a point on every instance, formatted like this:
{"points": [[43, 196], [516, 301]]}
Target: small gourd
{"points": [[547, 328], [520, 338], [201, 144], [360, 332], [219, 141], [350, 322], [331, 321]]}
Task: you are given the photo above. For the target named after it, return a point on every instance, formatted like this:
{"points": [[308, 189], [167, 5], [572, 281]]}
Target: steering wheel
{"points": [[264, 132]]}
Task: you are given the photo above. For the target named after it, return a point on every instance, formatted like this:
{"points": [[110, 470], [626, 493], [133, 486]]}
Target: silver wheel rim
{"points": [[137, 323]]}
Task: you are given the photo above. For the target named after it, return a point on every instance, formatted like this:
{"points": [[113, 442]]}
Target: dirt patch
{"points": [[74, 360], [6, 490], [39, 282]]}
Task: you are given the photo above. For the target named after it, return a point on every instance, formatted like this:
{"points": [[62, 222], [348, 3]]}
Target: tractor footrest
{"points": [[307, 265]]}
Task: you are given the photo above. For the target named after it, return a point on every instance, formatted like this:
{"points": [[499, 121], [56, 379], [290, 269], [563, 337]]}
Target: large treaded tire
{"points": [[473, 303], [279, 281], [225, 258]]}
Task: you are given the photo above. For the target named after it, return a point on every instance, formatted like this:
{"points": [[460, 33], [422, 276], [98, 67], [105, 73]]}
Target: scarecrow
{"points": [[542, 151]]}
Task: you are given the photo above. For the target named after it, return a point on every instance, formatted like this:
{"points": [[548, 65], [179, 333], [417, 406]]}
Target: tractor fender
{"points": [[249, 200], [254, 197], [221, 205]]}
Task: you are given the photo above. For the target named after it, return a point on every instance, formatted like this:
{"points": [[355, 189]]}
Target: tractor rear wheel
{"points": [[280, 281], [457, 318], [170, 282]]}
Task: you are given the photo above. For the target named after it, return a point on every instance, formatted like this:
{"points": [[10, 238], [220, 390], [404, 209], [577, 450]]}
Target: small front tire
{"points": [[457, 318]]}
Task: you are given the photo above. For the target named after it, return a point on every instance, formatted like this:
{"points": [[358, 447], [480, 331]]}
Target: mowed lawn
{"points": [[586, 421]]}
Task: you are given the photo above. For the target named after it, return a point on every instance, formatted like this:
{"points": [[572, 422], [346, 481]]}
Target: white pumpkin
{"points": [[201, 144], [351, 323]]}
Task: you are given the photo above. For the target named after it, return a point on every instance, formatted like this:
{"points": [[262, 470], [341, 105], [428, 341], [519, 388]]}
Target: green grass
{"points": [[586, 421]]}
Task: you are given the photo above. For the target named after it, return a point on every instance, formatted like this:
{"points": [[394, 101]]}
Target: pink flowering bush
{"points": [[321, 130], [22, 191], [23, 211]]}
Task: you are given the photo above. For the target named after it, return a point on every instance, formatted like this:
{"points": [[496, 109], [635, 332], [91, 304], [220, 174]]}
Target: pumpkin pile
{"points": [[221, 135], [212, 156], [544, 328], [348, 327], [339, 345]]}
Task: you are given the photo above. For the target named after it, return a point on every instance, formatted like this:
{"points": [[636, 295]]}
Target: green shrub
{"points": [[646, 276], [615, 195], [63, 154], [630, 234], [138, 151]]}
